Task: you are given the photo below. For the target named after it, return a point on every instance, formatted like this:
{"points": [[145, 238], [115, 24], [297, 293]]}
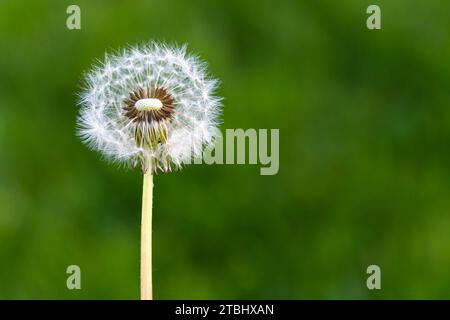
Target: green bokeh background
{"points": [[364, 173]]}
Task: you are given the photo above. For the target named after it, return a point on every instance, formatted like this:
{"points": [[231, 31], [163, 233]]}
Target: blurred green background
{"points": [[364, 154]]}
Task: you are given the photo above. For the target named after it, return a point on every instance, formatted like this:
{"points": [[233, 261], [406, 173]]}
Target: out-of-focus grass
{"points": [[364, 165]]}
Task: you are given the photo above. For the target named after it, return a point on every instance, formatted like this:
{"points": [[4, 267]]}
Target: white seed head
{"points": [[149, 104]]}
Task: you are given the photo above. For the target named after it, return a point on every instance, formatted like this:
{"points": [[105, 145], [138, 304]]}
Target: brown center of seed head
{"points": [[150, 124]]}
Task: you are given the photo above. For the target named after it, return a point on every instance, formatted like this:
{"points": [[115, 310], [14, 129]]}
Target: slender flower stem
{"points": [[146, 237]]}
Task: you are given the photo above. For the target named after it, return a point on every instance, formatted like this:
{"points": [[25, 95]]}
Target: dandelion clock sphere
{"points": [[151, 106]]}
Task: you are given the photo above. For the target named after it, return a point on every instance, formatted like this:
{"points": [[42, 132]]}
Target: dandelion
{"points": [[151, 106]]}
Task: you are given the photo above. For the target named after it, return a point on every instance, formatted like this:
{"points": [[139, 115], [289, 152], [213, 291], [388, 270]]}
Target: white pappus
{"points": [[149, 104]]}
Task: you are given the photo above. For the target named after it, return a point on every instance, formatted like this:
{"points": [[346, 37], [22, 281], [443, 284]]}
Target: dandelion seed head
{"points": [[152, 103]]}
